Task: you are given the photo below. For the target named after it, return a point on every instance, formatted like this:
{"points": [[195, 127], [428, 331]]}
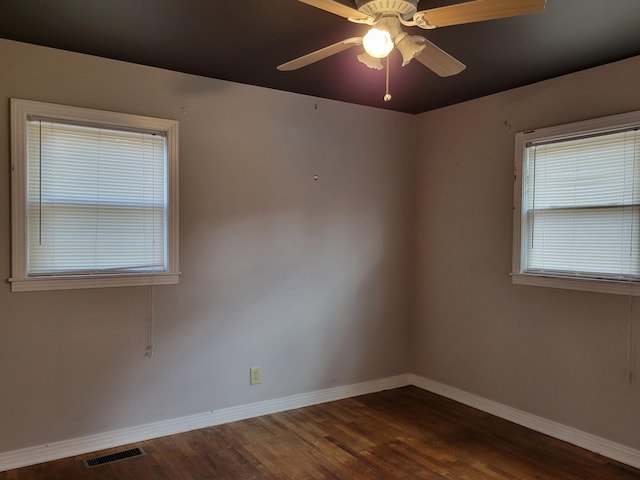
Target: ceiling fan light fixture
{"points": [[378, 42], [409, 47], [369, 61]]}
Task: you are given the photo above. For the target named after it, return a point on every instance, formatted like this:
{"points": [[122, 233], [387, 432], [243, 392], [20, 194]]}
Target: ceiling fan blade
{"points": [[478, 11], [320, 54], [438, 60], [336, 8]]}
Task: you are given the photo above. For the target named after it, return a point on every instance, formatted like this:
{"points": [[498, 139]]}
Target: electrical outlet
{"points": [[255, 375]]}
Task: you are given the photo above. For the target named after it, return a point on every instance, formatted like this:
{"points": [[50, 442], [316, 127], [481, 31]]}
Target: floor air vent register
{"points": [[114, 457]]}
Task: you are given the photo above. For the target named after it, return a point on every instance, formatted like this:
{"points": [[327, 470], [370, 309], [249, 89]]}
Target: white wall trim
{"points": [[101, 441], [590, 442]]}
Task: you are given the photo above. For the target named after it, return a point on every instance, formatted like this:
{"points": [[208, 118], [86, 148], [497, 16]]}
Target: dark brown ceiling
{"points": [[244, 40]]}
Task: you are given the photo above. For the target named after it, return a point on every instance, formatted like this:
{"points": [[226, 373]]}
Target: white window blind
{"points": [[581, 198], [96, 199]]}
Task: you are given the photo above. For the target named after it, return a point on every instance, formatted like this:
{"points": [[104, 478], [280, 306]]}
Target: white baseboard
{"points": [[590, 442], [101, 441]]}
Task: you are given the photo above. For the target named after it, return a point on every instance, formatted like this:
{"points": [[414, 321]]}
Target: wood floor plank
{"points": [[404, 434]]}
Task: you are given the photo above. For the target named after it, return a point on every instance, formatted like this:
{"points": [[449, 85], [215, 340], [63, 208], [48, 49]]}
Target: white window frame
{"points": [[21, 110], [518, 275]]}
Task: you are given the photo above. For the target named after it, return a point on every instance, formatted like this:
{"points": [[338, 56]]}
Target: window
{"points": [[577, 206], [94, 198]]}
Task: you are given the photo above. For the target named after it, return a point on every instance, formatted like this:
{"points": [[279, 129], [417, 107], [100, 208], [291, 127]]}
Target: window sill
{"points": [[34, 284], [583, 284]]}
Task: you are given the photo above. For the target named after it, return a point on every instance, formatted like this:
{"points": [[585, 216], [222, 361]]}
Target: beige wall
{"points": [[314, 280], [559, 354], [305, 278]]}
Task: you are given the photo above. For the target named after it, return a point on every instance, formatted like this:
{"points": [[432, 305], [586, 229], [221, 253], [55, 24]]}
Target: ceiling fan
{"points": [[386, 17]]}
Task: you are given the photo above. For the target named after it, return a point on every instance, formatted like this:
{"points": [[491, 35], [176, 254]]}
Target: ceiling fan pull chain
{"points": [[387, 95]]}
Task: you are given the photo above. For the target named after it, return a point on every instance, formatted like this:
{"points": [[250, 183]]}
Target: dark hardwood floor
{"points": [[404, 433]]}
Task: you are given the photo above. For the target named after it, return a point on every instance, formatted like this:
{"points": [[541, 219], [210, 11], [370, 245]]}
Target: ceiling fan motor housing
{"points": [[404, 8]]}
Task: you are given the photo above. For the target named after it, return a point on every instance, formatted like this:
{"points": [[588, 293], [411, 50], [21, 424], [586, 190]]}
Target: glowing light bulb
{"points": [[377, 43]]}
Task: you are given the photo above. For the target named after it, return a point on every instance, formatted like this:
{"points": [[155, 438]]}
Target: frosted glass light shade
{"points": [[377, 43]]}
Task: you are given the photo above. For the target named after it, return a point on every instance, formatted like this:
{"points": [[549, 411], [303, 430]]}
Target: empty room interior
{"points": [[323, 243]]}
